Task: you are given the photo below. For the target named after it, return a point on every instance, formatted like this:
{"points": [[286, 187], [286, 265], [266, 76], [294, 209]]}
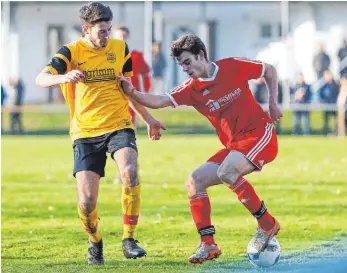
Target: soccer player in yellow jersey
{"points": [[100, 122]]}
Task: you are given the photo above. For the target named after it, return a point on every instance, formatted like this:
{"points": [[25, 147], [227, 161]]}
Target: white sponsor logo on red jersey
{"points": [[206, 92], [226, 99]]}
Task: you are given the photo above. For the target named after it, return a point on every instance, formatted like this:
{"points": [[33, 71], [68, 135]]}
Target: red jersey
{"points": [[140, 68], [225, 98]]}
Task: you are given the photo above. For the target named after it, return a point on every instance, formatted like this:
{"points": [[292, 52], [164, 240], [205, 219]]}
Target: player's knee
{"points": [[190, 182], [228, 173], [195, 183], [129, 176], [87, 204]]}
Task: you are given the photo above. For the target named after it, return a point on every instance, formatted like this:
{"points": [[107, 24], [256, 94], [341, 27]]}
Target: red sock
{"points": [[200, 209], [248, 197]]}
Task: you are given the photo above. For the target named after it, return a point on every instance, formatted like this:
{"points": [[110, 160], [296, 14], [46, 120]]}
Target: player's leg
{"points": [[232, 172], [20, 124], [122, 147], [16, 123], [13, 123], [126, 159], [306, 123], [89, 161], [200, 207], [296, 122], [326, 122], [87, 191], [87, 188], [118, 179], [237, 164]]}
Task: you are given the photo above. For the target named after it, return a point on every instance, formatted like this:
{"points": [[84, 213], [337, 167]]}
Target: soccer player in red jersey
{"points": [[219, 91], [141, 70]]}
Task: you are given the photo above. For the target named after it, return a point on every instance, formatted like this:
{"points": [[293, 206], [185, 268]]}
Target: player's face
{"points": [[193, 65], [99, 34]]}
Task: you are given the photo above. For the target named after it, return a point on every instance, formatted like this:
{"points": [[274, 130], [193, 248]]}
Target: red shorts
{"points": [[259, 147]]}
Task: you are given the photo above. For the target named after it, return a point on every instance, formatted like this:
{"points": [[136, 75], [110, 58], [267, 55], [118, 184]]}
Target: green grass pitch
{"points": [[305, 187]]}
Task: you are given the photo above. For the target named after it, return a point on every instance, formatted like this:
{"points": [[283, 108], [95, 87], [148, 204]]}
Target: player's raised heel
{"points": [[263, 237], [204, 253], [131, 250], [95, 253]]}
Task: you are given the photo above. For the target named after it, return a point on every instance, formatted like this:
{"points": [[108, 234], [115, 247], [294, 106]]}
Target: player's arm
{"points": [[46, 79], [147, 82], [146, 75], [139, 109], [148, 100], [154, 126], [271, 80], [56, 71]]}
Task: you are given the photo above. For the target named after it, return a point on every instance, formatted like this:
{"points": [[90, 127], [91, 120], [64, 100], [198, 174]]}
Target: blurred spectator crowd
{"points": [[13, 96], [326, 89]]}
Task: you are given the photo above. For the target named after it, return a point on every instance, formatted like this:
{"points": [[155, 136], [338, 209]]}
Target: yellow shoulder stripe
{"points": [[127, 57], [61, 56], [52, 70], [128, 74]]}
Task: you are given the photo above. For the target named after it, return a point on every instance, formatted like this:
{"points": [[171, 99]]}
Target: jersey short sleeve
{"points": [[60, 61], [181, 95], [128, 63], [250, 69]]}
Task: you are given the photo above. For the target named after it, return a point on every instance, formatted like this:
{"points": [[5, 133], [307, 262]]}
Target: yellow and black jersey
{"points": [[97, 104]]}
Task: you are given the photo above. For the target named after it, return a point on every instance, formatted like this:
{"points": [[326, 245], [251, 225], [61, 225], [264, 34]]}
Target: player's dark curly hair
{"points": [[191, 43], [95, 12]]}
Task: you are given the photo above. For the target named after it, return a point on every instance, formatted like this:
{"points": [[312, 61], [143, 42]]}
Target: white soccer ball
{"points": [[269, 257]]}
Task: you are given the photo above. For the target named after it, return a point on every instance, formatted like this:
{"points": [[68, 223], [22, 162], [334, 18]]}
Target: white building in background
{"points": [[249, 29]]}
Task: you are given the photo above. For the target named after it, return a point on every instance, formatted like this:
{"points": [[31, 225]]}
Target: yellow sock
{"points": [[90, 224], [131, 209]]}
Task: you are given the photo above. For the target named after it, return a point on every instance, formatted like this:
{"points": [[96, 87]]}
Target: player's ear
{"points": [[201, 55], [85, 29]]}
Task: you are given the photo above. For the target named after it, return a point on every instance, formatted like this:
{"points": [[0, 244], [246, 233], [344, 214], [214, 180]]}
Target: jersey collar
{"points": [[213, 76]]}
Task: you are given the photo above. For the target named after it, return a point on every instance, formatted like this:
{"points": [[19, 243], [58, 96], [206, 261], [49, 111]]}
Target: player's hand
{"points": [[153, 128], [275, 112], [126, 85], [73, 76]]}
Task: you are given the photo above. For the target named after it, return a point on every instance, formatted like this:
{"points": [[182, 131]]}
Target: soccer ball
{"points": [[266, 258]]}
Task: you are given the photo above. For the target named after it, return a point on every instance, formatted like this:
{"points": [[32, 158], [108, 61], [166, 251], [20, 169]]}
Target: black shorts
{"points": [[90, 153]]}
